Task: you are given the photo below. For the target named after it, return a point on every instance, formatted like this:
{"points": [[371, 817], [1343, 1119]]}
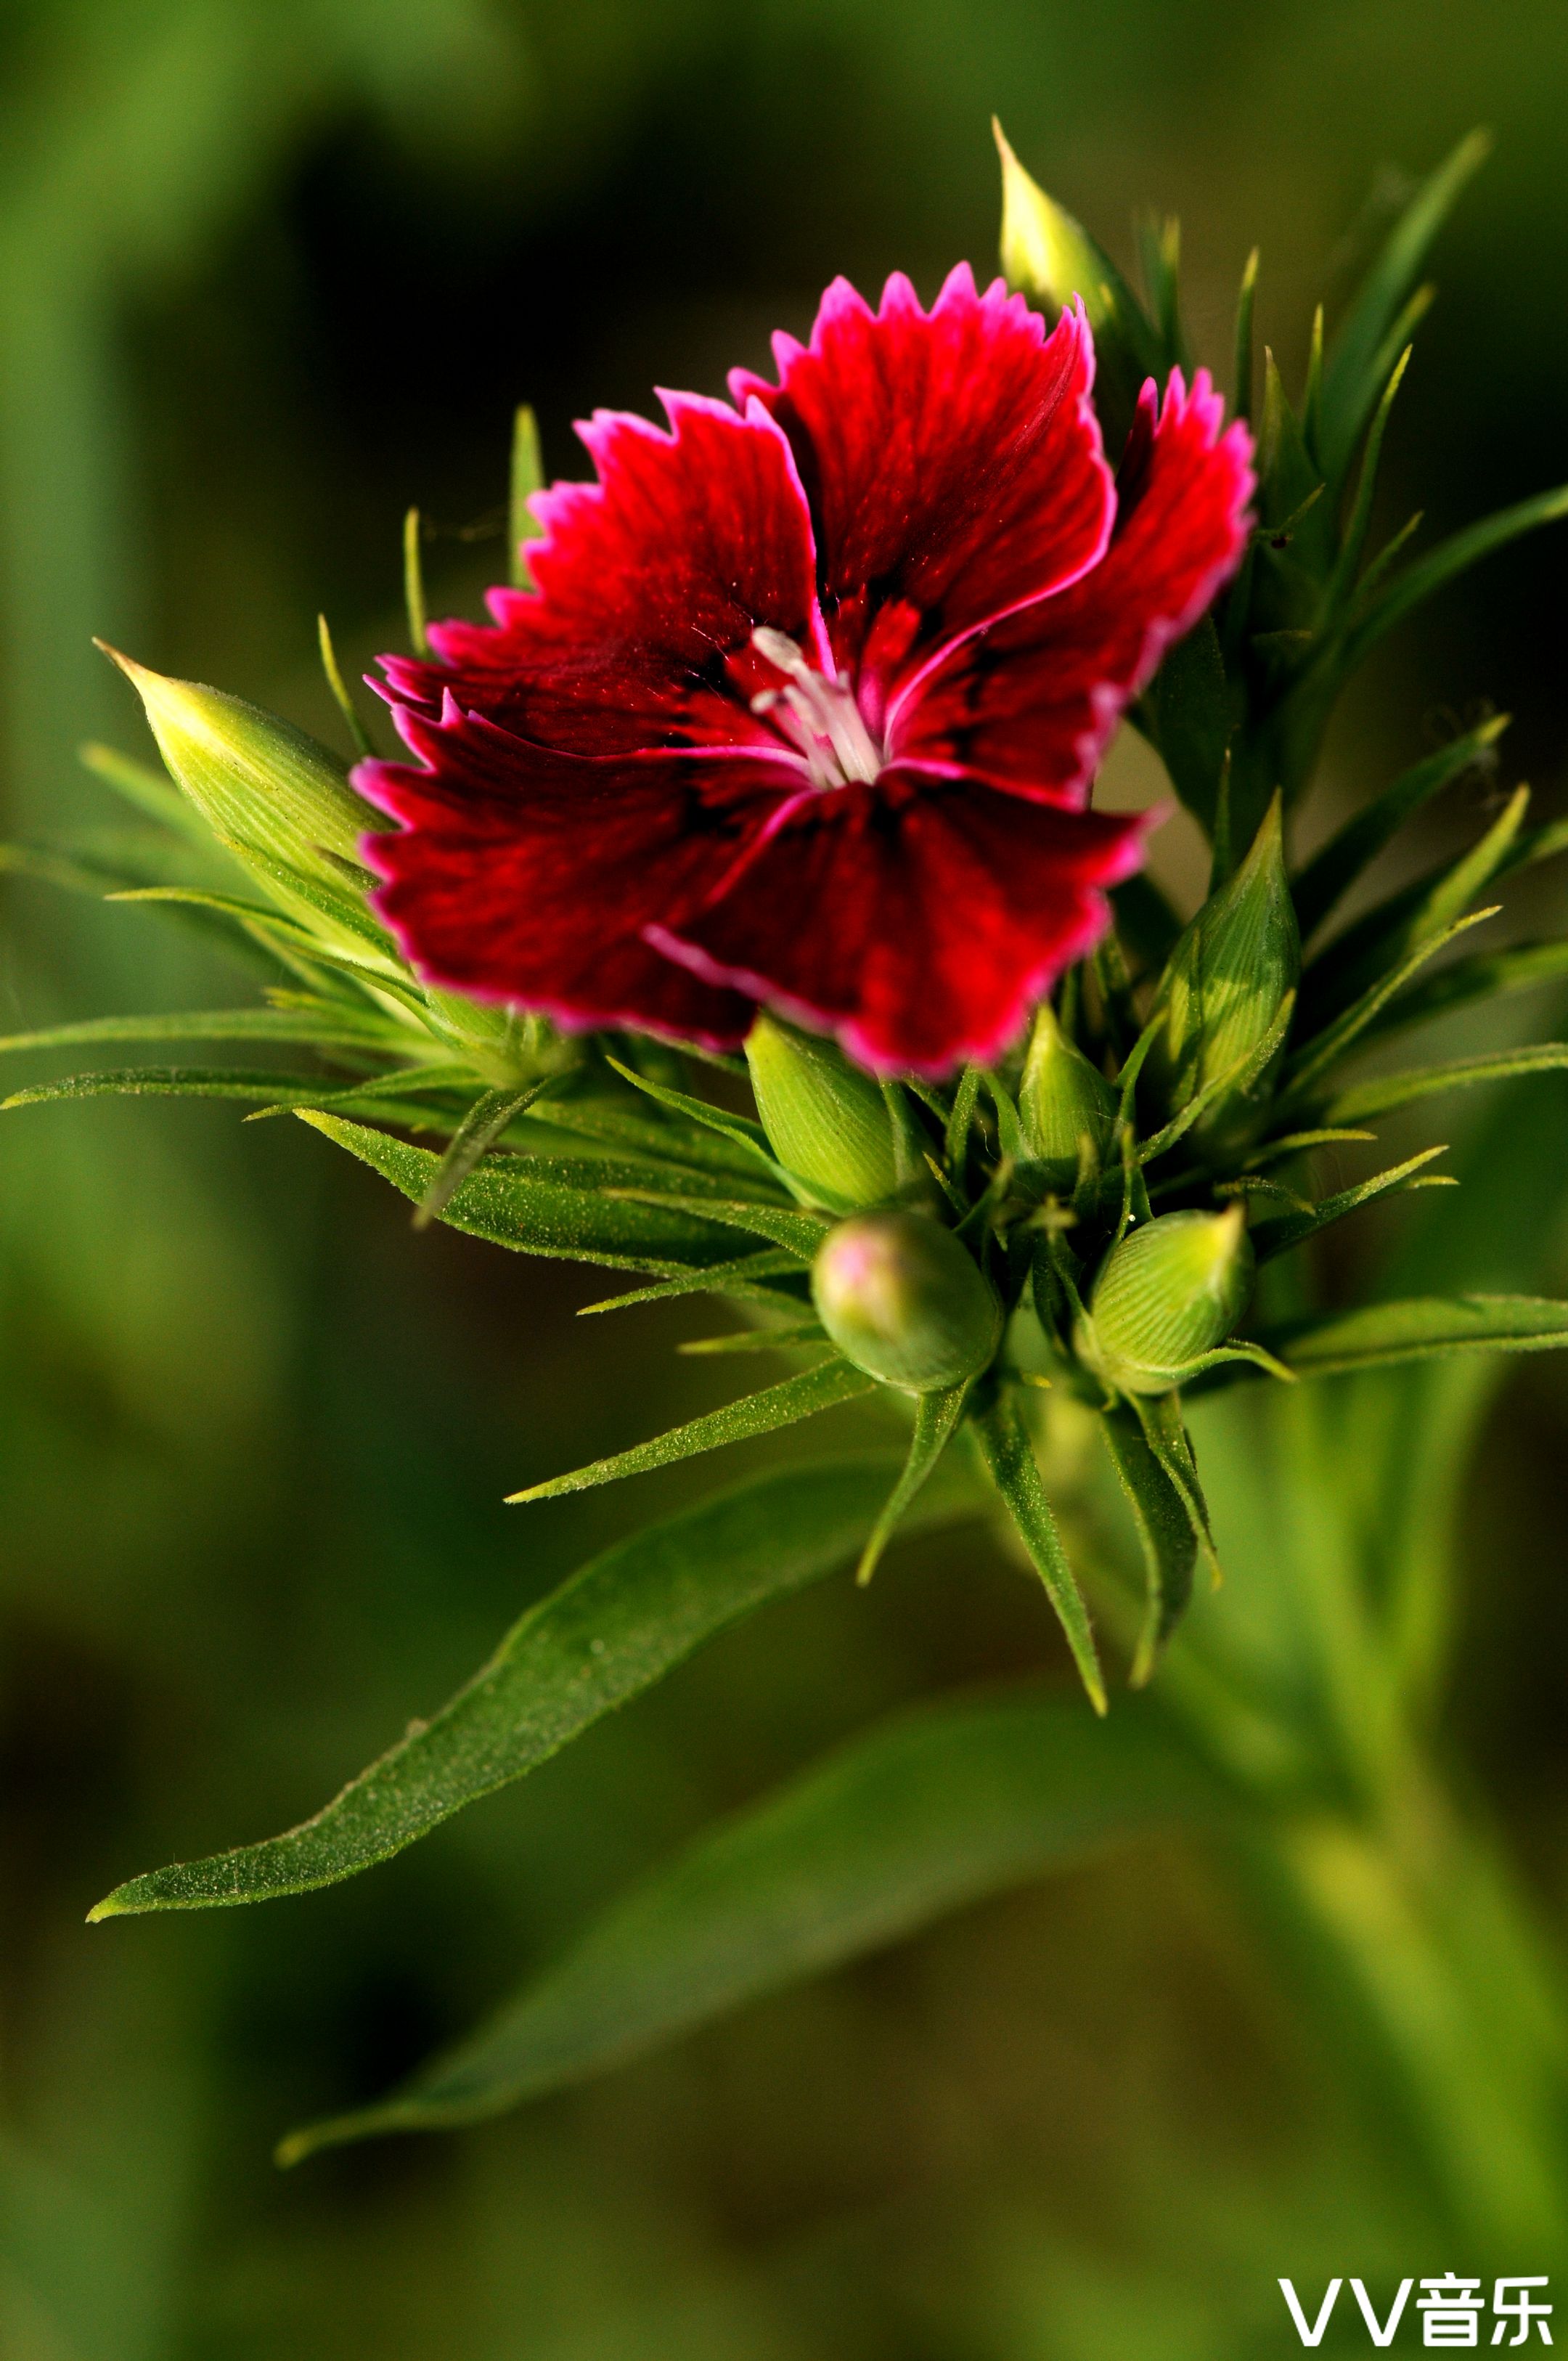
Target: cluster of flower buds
{"points": [[1087, 1199]]}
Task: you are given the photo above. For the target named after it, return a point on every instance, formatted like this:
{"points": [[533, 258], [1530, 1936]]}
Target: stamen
{"points": [[819, 714]]}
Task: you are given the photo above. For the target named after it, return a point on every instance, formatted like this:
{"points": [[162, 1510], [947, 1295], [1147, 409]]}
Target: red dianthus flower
{"points": [[807, 704]]}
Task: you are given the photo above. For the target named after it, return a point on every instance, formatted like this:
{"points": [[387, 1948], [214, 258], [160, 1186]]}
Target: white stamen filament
{"points": [[819, 715]]}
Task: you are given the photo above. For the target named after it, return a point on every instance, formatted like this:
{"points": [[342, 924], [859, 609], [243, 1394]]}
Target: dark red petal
{"points": [[650, 583], [1031, 703], [920, 918], [526, 875], [952, 458]]}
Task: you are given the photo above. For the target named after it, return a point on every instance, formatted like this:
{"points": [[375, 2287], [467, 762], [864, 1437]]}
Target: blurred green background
{"points": [[268, 274]]}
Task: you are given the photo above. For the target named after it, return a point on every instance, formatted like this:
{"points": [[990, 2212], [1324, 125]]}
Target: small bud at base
{"points": [[901, 1300], [1169, 1295], [827, 1122]]}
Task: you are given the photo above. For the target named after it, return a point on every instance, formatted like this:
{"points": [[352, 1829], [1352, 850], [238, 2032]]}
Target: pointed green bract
{"points": [[1009, 1461], [1065, 1105], [623, 1621], [785, 1404], [527, 478], [1230, 973], [931, 1811]]}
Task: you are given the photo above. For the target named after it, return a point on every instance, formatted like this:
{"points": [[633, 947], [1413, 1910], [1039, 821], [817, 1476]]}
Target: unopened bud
{"points": [[900, 1298], [266, 790], [1169, 1295], [826, 1120], [1063, 1101], [1226, 981]]}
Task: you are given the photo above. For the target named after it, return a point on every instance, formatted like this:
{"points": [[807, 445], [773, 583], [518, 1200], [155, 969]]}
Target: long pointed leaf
{"points": [[1333, 871], [1166, 1535], [935, 1810], [1391, 1091], [1351, 381], [1485, 975], [1445, 565], [545, 1205], [1420, 1326], [1287, 1230], [323, 1031], [793, 1398], [1010, 1462], [620, 1622], [936, 1416]]}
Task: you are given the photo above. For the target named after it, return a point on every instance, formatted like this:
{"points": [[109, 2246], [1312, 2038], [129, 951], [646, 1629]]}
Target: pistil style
{"points": [[818, 715]]}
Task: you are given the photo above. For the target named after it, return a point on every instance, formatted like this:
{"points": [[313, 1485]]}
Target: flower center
{"points": [[818, 716]]}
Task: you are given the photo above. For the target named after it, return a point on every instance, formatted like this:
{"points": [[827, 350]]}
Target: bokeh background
{"points": [[268, 273]]}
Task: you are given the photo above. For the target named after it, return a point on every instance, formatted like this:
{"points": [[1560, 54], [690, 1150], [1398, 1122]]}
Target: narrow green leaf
{"points": [[483, 1124], [1145, 924], [1339, 588], [338, 687], [618, 1625], [744, 1278], [414, 584], [758, 1340], [1287, 1230], [1324, 1048], [618, 1124], [802, 1233], [1445, 565], [334, 1030], [831, 1382], [1166, 1535], [936, 1416], [928, 1813], [1419, 1327], [1485, 975], [1389, 1091], [1351, 382], [246, 1082], [1333, 871], [148, 791], [966, 1097], [543, 1205], [527, 478], [1187, 714], [749, 1136], [1010, 1462]]}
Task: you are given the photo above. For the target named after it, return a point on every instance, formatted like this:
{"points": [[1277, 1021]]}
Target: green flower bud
{"points": [[1226, 981], [1169, 1295], [1050, 258], [1062, 1100], [826, 1120], [266, 790], [900, 1298]]}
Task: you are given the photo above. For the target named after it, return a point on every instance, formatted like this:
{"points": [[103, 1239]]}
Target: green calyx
{"points": [[901, 1300], [827, 1122], [1166, 1299], [1224, 992], [1067, 1107]]}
